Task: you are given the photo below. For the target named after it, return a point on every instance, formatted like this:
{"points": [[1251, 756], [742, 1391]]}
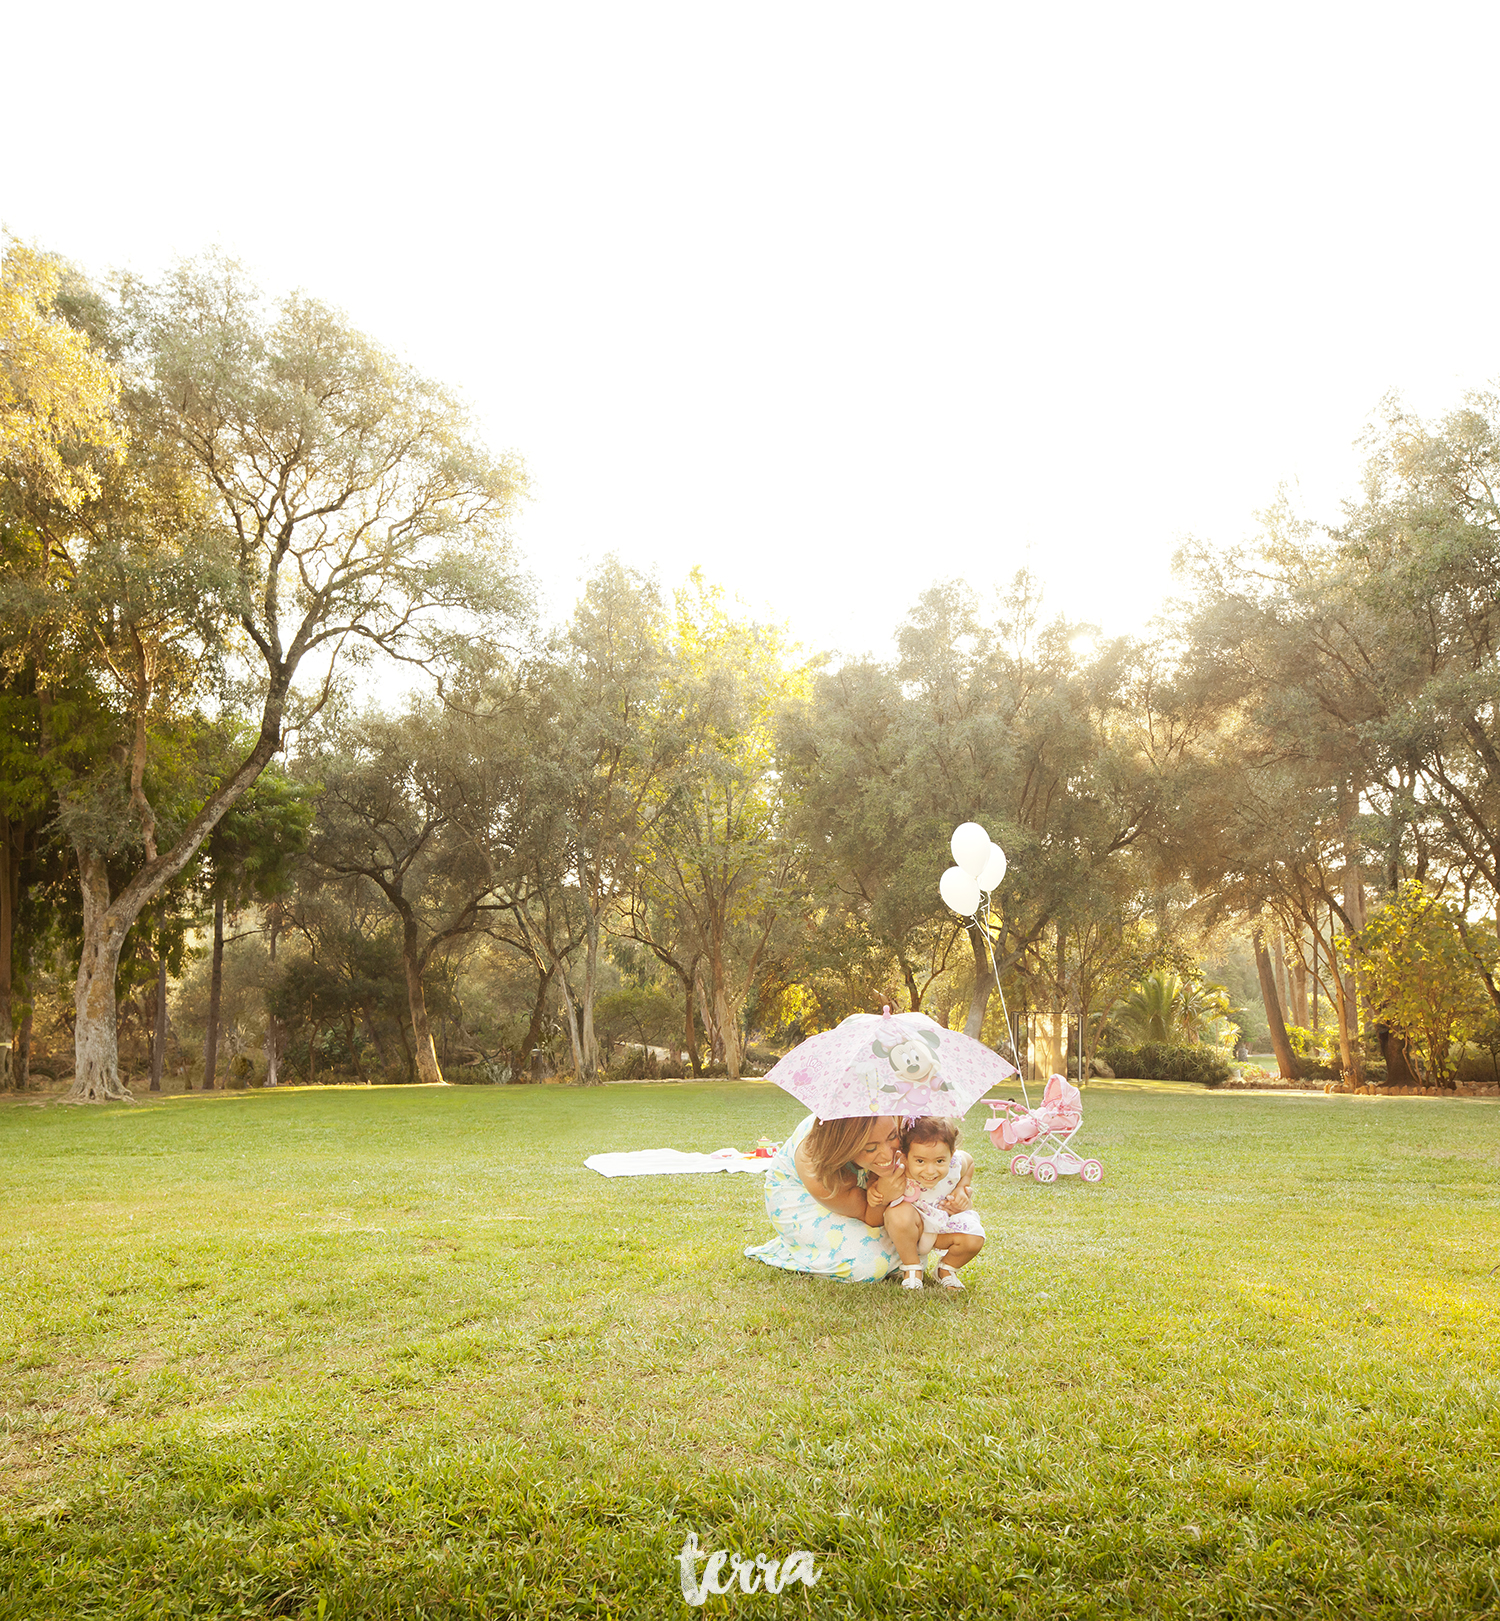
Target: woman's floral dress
{"points": [[810, 1238]]}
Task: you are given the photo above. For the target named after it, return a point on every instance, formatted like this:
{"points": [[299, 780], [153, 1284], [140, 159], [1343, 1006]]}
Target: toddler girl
{"points": [[935, 1168]]}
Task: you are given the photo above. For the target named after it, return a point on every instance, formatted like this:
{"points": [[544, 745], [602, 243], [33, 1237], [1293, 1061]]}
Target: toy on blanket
{"points": [[1048, 1129]]}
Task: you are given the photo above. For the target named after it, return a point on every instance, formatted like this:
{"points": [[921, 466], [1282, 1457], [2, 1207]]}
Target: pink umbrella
{"points": [[902, 1064]]}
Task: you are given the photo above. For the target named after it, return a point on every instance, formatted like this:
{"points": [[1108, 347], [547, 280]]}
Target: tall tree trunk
{"points": [[710, 1023], [588, 1042], [359, 1073], [428, 1071], [273, 1024], [1316, 957], [96, 1063], [215, 996], [727, 1019], [572, 1013], [690, 1021], [377, 1041], [1060, 999], [15, 838], [1349, 986], [538, 1018], [1283, 987], [159, 1023], [96, 1069], [1281, 1044], [1299, 990], [1344, 1005], [984, 986], [21, 1055], [1345, 979], [411, 1057], [1398, 1069], [913, 992], [8, 875]]}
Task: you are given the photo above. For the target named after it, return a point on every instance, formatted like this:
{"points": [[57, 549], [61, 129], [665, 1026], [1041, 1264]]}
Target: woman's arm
{"points": [[849, 1199]]}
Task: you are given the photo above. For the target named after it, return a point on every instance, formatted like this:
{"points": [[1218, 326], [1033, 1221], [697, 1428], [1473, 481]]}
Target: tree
{"points": [[644, 1014], [869, 857], [1068, 759], [353, 514], [1166, 1007], [343, 978], [406, 804], [1422, 981], [1416, 591], [57, 422], [614, 741], [57, 395], [658, 918], [718, 855], [250, 855], [1274, 824], [1364, 680]]}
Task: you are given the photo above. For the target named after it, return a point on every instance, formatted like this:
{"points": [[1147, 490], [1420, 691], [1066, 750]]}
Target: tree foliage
{"points": [[1422, 981], [217, 510]]}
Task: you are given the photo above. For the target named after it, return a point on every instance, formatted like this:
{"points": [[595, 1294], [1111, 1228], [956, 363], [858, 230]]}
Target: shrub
{"points": [[1309, 1069], [638, 1065], [1164, 1061], [1313, 1046], [487, 1072]]}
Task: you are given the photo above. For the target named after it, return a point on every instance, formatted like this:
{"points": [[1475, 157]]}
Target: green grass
{"points": [[395, 1353]]}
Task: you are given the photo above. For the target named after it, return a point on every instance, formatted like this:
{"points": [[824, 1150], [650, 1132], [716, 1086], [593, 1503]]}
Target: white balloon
{"points": [[993, 870], [970, 845], [960, 891]]}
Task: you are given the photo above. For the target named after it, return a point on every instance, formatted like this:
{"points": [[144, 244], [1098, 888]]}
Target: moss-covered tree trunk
{"points": [[96, 1069]]}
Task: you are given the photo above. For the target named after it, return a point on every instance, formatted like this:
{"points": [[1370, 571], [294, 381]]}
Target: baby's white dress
{"points": [[928, 1203]]}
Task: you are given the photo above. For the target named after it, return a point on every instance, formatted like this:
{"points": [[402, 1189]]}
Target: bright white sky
{"points": [[833, 299]]}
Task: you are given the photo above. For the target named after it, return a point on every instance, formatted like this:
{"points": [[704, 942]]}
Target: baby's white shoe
{"points": [[912, 1278]]}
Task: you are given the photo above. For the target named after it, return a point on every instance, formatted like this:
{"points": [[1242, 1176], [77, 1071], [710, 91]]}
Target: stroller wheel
{"points": [[1021, 1165], [1044, 1171], [1091, 1171]]}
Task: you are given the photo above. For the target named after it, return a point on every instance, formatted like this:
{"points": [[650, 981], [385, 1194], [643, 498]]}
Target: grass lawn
{"points": [[395, 1353]]}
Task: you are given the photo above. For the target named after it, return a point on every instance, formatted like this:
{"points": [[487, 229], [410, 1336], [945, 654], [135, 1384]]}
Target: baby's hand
{"points": [[957, 1201], [893, 1183]]}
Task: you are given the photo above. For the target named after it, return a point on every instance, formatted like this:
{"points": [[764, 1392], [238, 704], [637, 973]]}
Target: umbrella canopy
{"points": [[885, 1063]]}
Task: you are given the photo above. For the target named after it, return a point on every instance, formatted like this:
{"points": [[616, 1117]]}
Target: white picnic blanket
{"points": [[671, 1161]]}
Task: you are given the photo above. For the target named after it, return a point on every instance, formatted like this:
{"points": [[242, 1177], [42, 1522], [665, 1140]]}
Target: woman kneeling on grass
{"points": [[831, 1194]]}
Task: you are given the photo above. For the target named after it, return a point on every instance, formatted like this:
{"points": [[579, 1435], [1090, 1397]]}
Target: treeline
{"points": [[225, 523]]}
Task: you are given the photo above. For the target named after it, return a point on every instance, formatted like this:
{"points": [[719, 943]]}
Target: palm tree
{"points": [[1165, 1007], [1150, 1011]]}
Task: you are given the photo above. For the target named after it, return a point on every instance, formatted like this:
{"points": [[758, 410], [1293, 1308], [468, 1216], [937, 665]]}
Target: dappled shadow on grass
{"points": [[400, 1353]]}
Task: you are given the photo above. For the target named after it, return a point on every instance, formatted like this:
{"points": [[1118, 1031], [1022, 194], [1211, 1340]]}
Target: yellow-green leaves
{"points": [[57, 396]]}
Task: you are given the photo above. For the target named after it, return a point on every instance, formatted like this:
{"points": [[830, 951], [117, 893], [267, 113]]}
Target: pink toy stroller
{"points": [[1044, 1132]]}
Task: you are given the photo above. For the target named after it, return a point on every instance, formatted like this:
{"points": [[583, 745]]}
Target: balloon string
{"points": [[984, 929]]}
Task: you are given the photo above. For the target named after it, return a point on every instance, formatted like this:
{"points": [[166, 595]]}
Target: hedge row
{"points": [[1158, 1061]]}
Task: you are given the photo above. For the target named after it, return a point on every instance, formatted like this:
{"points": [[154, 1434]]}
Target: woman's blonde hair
{"points": [[832, 1144]]}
